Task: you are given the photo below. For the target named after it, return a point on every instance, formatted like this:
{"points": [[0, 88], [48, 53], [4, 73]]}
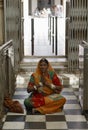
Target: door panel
{"points": [[13, 26]]}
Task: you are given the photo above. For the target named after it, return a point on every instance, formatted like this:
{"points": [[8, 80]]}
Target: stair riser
{"points": [[33, 69]]}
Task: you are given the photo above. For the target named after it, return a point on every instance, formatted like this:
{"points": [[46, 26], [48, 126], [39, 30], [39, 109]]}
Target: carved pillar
{"points": [[1, 22]]}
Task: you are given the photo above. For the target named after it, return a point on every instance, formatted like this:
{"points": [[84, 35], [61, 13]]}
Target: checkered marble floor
{"points": [[70, 118]]}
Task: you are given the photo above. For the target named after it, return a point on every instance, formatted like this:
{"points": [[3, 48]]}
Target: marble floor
{"points": [[71, 118]]}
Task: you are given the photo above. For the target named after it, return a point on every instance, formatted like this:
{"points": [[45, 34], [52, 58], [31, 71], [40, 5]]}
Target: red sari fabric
{"points": [[38, 100]]}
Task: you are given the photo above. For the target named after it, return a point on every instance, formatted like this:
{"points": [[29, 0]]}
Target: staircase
{"points": [[29, 63]]}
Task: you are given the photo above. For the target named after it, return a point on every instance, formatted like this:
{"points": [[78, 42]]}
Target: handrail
{"points": [[7, 75], [6, 45]]}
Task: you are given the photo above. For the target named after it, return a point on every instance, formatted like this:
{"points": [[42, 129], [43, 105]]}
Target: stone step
{"points": [[34, 60], [29, 63], [33, 68], [70, 79], [35, 64]]}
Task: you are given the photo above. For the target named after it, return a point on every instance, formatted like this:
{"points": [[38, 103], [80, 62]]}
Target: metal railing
{"points": [[7, 73]]}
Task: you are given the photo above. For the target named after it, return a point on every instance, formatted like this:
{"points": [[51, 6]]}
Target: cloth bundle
{"points": [[13, 106]]}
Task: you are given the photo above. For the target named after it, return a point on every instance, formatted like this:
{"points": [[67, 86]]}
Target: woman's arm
{"points": [[32, 86], [57, 83], [53, 82]]}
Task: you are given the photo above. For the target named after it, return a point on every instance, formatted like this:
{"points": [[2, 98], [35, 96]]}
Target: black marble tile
{"points": [[55, 118], [67, 86], [77, 125], [35, 125], [20, 89], [67, 93], [73, 111], [1, 124], [12, 129], [14, 118], [86, 114], [72, 102], [20, 96]]}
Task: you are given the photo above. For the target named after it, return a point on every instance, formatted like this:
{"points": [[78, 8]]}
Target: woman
{"points": [[45, 88]]}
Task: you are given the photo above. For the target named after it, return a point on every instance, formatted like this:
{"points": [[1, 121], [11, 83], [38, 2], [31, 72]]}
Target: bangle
{"points": [[35, 87], [52, 86], [40, 83]]}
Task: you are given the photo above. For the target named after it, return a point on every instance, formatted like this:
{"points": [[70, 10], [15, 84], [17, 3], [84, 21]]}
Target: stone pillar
{"points": [[1, 22], [1, 42]]}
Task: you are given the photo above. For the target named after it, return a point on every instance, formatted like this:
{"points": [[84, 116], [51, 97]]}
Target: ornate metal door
{"points": [[12, 15], [77, 31]]}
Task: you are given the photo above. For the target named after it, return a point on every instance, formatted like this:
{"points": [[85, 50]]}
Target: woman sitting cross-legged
{"points": [[45, 88]]}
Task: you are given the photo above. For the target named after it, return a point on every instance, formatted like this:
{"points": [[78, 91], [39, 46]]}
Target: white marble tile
{"points": [[72, 106], [21, 93], [20, 80], [76, 118], [77, 129], [35, 129], [4, 118], [56, 125], [35, 118], [71, 97], [67, 89], [13, 125]]}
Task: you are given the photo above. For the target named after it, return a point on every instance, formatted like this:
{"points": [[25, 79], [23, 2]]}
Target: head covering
{"points": [[47, 62], [37, 75]]}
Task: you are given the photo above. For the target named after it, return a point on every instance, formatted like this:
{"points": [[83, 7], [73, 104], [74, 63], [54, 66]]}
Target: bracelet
{"points": [[35, 87], [52, 86], [40, 83]]}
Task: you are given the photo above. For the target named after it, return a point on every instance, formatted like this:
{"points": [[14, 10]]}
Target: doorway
{"points": [[37, 35]]}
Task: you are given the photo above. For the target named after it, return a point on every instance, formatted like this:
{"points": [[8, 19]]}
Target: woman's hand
{"points": [[47, 84], [30, 89], [44, 82], [40, 84], [58, 89]]}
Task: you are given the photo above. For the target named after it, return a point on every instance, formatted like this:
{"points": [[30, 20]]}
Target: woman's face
{"points": [[43, 67]]}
